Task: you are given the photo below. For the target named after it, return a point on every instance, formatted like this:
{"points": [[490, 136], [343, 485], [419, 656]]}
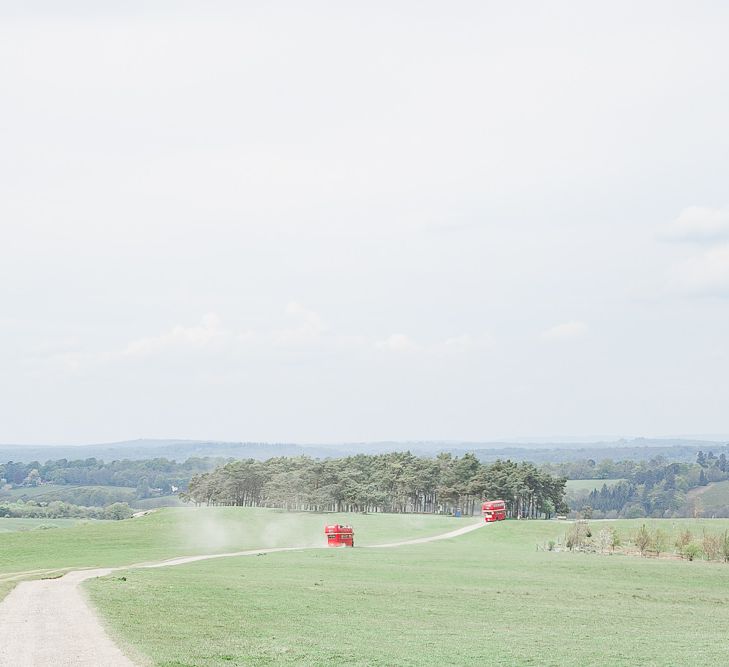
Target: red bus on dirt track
{"points": [[494, 510], [339, 536]]}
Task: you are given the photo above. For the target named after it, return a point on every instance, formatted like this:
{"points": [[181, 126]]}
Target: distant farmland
{"points": [[577, 485], [714, 497]]}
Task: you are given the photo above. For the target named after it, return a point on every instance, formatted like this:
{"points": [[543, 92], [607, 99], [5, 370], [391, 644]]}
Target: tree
{"points": [[143, 488], [643, 539], [604, 540], [701, 459], [576, 535], [586, 512], [33, 478], [683, 540], [660, 541], [118, 511], [616, 539], [724, 546]]}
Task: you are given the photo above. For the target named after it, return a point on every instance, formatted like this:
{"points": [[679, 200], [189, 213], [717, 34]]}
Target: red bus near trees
{"points": [[494, 510]]}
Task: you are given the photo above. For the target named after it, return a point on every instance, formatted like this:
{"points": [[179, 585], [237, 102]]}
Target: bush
{"points": [[711, 546], [692, 551], [118, 511]]}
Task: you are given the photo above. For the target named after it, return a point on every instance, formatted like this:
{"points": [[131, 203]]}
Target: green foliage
{"points": [[724, 546], [576, 535], [692, 550], [395, 482], [160, 473], [683, 540], [61, 510], [643, 539], [660, 541]]}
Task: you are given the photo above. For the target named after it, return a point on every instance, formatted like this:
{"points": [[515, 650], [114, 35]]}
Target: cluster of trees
{"points": [[161, 474], [652, 488], [393, 482], [627, 468], [61, 510]]}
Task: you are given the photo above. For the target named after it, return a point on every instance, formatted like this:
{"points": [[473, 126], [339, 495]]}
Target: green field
{"points": [[486, 598], [715, 496], [154, 503], [13, 525], [587, 485], [175, 532]]}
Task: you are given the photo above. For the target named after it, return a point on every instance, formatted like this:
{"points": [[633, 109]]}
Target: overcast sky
{"points": [[323, 222]]}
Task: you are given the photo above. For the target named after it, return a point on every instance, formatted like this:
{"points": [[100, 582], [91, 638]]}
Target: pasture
{"points": [[713, 497], [486, 598], [12, 525], [173, 532]]}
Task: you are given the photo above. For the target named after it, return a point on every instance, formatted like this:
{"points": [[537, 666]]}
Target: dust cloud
{"points": [[217, 530]]}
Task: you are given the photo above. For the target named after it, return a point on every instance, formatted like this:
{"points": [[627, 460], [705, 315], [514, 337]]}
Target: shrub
{"points": [[711, 546], [692, 550]]}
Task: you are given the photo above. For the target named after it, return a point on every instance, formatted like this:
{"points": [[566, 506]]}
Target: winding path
{"points": [[49, 622]]}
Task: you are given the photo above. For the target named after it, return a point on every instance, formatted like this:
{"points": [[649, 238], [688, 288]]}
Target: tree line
{"points": [[652, 488], [161, 474], [60, 510], [393, 482]]}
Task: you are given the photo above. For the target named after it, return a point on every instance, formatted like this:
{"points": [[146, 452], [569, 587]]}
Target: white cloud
{"points": [[464, 340], [309, 326], [566, 331], [706, 274], [698, 223], [210, 332], [398, 343]]}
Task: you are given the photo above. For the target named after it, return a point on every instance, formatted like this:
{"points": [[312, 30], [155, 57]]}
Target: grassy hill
{"points": [[714, 497], [175, 532], [487, 598], [13, 525]]}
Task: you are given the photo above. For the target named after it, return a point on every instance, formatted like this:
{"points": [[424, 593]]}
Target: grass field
{"points": [[187, 531], [154, 503], [13, 525], [178, 532], [486, 598], [587, 485], [714, 496]]}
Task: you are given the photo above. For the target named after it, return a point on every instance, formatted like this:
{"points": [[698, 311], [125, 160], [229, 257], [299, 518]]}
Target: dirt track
{"points": [[49, 622]]}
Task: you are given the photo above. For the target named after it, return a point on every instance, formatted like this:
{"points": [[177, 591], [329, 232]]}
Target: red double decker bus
{"points": [[494, 510], [339, 536]]}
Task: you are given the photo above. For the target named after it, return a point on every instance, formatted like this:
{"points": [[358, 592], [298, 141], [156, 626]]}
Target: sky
{"points": [[327, 222]]}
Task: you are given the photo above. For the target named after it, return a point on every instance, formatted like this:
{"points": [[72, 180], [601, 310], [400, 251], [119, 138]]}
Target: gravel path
{"points": [[49, 622]]}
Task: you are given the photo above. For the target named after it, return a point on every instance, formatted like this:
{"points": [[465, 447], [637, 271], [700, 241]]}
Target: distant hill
{"points": [[641, 449]]}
